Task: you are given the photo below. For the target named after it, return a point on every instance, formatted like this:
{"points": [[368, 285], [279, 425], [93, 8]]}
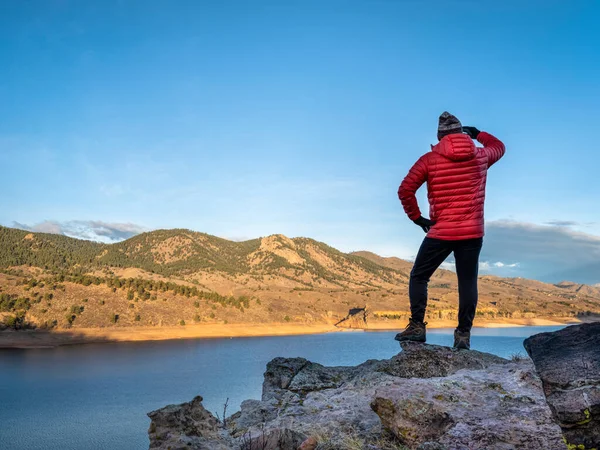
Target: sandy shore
{"points": [[42, 339], [45, 339], [479, 323]]}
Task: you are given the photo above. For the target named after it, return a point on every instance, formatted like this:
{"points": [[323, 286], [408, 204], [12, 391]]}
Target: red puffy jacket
{"points": [[455, 171]]}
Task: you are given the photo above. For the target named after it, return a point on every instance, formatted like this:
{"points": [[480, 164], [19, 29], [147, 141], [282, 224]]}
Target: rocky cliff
{"points": [[426, 397], [568, 362]]}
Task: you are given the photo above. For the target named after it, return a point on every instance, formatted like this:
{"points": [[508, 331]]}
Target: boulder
{"points": [[568, 363], [186, 426], [500, 407], [280, 373]]}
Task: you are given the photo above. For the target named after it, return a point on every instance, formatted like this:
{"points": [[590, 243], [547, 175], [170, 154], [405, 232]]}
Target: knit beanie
{"points": [[448, 124]]}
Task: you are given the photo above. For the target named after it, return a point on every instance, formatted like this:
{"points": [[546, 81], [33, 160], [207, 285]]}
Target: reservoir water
{"points": [[96, 396]]}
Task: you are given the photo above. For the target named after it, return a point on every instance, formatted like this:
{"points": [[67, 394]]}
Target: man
{"points": [[455, 171]]}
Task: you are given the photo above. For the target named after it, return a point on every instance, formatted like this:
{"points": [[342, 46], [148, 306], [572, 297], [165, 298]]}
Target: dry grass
{"points": [[518, 357], [354, 441]]}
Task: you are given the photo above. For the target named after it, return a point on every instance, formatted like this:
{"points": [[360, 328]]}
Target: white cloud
{"points": [[500, 265], [551, 252], [546, 252], [92, 230]]}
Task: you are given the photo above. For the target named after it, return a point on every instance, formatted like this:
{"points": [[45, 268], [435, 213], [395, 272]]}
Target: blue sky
{"points": [[244, 119]]}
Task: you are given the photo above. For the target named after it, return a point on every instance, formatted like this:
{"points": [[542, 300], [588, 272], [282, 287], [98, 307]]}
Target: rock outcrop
{"points": [[426, 397], [568, 362], [500, 408], [356, 318], [187, 426]]}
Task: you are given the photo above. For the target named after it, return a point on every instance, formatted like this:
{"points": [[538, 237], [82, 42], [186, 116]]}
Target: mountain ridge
{"points": [[180, 277]]}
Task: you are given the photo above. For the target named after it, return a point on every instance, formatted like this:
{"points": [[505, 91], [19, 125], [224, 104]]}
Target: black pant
{"points": [[432, 253]]}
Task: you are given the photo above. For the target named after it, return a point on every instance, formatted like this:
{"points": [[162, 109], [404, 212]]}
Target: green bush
{"points": [[76, 310], [16, 322], [182, 322]]}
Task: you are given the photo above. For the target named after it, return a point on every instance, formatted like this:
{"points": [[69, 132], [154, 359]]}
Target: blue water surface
{"points": [[96, 396]]}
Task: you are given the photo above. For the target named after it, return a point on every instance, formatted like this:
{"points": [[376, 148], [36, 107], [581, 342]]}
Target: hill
{"points": [[182, 278]]}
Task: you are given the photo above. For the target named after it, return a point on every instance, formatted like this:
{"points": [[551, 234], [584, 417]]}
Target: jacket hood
{"points": [[457, 147]]}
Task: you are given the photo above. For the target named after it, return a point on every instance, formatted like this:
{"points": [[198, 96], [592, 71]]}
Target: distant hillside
{"points": [[181, 252], [178, 277]]}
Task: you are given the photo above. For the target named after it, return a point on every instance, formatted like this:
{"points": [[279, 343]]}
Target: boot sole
{"points": [[410, 339]]}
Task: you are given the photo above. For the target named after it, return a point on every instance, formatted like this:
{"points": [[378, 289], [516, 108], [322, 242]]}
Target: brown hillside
{"points": [[179, 277]]}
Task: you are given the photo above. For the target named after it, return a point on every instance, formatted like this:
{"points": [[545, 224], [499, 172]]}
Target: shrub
{"points": [[197, 318], [76, 310], [49, 324], [197, 304], [16, 322], [287, 318], [182, 322], [115, 318], [138, 318]]}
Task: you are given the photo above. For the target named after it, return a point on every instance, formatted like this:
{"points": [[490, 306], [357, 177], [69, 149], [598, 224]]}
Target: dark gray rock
{"points": [[315, 377], [252, 412], [280, 373], [568, 362]]}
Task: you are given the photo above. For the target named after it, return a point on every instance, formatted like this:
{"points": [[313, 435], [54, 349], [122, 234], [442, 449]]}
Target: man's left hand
{"points": [[471, 131]]}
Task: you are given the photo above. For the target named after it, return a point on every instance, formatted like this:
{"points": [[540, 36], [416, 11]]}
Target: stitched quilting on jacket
{"points": [[455, 172]]}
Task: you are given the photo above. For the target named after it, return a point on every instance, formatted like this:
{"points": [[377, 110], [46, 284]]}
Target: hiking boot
{"points": [[462, 339], [414, 331]]}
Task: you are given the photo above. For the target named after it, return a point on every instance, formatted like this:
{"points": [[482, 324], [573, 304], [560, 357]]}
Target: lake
{"points": [[96, 396]]}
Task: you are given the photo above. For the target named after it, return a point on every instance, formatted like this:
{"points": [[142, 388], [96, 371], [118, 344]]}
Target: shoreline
{"points": [[479, 323], [78, 336]]}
